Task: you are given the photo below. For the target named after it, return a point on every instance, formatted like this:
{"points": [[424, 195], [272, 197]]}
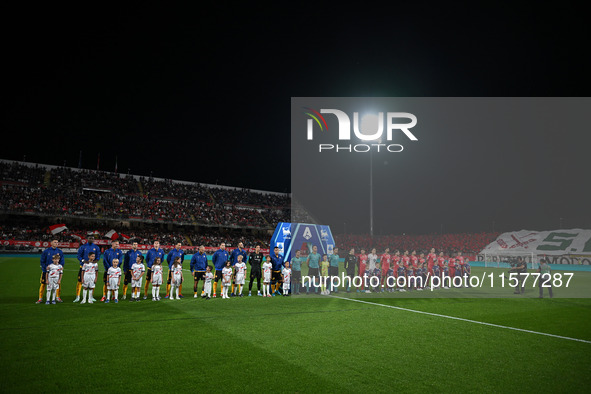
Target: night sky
{"points": [[203, 94]]}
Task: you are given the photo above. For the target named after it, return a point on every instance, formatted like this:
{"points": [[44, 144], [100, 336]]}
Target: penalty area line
{"points": [[462, 319]]}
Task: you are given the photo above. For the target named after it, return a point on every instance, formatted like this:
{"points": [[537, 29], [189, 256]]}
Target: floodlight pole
{"points": [[371, 194]]}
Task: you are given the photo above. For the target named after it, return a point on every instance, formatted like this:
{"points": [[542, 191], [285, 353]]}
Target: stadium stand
{"points": [[67, 192], [34, 196]]}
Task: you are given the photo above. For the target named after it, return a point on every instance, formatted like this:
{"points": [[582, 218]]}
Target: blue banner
{"points": [[289, 237]]}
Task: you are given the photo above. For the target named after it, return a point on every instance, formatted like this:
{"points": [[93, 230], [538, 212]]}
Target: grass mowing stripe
{"points": [[233, 316], [462, 319]]}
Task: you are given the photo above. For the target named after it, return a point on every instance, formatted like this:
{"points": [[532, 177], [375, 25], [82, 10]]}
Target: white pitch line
{"points": [[462, 319]]}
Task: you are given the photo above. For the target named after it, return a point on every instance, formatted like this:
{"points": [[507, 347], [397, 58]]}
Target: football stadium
{"points": [[284, 197], [465, 337]]}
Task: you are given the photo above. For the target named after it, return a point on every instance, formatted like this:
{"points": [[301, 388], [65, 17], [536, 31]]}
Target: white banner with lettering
{"points": [[557, 242]]}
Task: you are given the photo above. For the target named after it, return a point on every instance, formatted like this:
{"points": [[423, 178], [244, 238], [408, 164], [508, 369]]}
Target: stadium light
{"points": [[369, 123]]}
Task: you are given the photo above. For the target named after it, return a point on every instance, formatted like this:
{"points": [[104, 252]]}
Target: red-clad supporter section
{"points": [[447, 243]]}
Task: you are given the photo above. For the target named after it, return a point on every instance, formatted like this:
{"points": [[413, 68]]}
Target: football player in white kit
{"points": [[157, 272], [286, 272], [53, 278], [89, 270], [240, 274], [137, 271], [226, 279], [267, 267], [176, 279], [208, 281], [114, 279]]}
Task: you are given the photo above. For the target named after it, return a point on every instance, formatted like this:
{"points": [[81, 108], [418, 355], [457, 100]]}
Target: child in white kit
{"points": [[267, 266], [137, 271], [226, 279], [286, 272], [240, 274], [114, 277], [176, 279], [208, 281], [53, 278], [157, 274], [89, 270]]}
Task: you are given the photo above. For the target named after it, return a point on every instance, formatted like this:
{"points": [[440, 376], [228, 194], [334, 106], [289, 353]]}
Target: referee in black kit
{"points": [[255, 260]]}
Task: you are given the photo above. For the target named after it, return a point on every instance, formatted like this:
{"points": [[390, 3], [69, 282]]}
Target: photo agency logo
{"points": [[369, 129]]}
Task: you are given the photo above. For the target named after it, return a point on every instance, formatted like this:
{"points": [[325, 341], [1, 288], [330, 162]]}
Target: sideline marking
{"points": [[462, 319]]}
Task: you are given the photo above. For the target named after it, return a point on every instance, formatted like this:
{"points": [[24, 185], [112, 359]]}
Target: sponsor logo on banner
{"points": [[307, 233], [286, 232]]}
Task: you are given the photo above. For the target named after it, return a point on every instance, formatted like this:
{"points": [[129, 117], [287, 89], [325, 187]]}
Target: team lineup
{"points": [[229, 268], [382, 273], [379, 273]]}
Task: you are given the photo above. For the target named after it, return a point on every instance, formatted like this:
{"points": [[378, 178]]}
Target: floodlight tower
{"points": [[371, 194], [370, 121]]}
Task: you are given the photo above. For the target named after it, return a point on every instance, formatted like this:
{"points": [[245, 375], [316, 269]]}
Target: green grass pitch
{"points": [[287, 344]]}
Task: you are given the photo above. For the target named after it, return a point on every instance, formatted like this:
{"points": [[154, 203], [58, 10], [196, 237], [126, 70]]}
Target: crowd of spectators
{"points": [[21, 174], [67, 178], [190, 239], [98, 194], [71, 192], [245, 197], [447, 243]]}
